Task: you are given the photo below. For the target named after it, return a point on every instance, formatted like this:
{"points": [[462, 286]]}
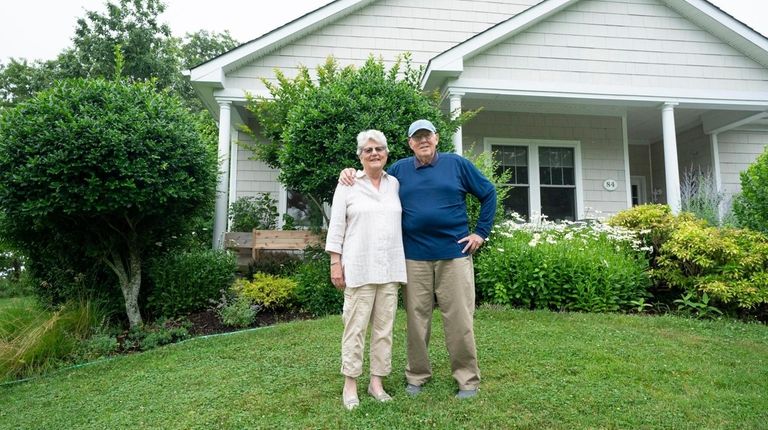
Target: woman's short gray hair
{"points": [[375, 135]]}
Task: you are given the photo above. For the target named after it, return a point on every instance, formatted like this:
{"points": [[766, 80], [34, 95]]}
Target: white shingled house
{"points": [[595, 105]]}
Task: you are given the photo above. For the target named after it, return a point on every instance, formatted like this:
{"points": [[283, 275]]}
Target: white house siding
{"points": [[385, 28], [694, 151], [253, 177], [600, 138], [737, 150], [622, 47]]}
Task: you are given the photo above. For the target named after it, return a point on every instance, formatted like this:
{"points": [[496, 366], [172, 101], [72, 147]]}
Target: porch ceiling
{"points": [[643, 118]]}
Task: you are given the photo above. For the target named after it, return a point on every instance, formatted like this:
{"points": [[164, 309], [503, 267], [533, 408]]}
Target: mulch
{"points": [[207, 322]]}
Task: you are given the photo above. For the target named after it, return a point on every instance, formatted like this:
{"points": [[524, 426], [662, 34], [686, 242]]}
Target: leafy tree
{"points": [[103, 169], [306, 121], [751, 206], [21, 79], [149, 49]]}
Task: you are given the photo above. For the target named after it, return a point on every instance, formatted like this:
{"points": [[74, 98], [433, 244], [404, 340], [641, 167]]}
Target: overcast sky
{"points": [[40, 29]]}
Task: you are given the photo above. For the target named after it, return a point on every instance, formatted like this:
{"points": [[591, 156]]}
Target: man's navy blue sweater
{"points": [[434, 205]]}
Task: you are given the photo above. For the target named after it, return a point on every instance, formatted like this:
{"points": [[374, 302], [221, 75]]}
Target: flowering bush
{"points": [[563, 266]]}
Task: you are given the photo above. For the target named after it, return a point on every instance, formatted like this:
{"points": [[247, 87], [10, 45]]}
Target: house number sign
{"points": [[609, 184]]}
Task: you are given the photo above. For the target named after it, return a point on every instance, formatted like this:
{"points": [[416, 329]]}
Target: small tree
{"points": [[311, 126], [104, 169], [751, 206]]}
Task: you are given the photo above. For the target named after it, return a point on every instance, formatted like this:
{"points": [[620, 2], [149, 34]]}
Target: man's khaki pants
{"points": [[373, 304], [452, 282]]}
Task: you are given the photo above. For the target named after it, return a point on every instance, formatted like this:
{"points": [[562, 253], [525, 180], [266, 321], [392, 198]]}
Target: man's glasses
{"points": [[369, 150], [418, 137]]}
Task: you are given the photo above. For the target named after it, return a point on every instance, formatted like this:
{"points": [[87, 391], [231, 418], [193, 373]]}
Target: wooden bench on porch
{"points": [[249, 246]]}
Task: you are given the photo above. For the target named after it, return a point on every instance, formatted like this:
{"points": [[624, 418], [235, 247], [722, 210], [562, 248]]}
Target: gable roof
{"points": [[213, 71], [450, 63]]}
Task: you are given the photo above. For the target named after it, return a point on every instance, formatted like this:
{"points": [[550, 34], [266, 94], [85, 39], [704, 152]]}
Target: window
{"points": [[558, 183], [514, 160], [545, 176]]}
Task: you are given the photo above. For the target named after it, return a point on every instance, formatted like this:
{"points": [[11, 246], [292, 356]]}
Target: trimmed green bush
{"points": [[751, 205], [188, 281], [730, 265], [268, 291], [314, 291], [576, 267]]}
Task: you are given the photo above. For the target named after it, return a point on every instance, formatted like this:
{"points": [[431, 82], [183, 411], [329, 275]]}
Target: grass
{"points": [[34, 340], [540, 370]]}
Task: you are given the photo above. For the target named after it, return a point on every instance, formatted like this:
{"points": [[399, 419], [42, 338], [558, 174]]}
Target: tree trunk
{"points": [[128, 272]]}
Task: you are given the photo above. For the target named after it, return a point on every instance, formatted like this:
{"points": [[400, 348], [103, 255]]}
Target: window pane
{"points": [[556, 166], [513, 159], [558, 204], [517, 201]]}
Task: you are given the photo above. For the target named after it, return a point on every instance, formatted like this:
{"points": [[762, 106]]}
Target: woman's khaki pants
{"points": [[373, 304]]}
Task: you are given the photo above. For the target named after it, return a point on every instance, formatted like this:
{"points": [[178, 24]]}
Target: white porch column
{"points": [[671, 169], [222, 190], [455, 107]]}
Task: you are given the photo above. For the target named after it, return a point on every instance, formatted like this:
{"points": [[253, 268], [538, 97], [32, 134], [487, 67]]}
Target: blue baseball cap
{"points": [[422, 124]]}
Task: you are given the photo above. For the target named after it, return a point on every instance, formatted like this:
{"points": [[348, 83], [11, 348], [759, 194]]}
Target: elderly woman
{"points": [[368, 263]]}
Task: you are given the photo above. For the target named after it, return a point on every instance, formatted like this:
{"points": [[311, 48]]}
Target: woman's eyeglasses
{"points": [[369, 150]]}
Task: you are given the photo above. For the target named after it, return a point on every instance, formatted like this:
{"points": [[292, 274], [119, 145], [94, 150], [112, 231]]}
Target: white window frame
{"points": [[534, 184]]}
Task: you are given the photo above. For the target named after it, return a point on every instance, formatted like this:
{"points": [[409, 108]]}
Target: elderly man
{"points": [[438, 251]]}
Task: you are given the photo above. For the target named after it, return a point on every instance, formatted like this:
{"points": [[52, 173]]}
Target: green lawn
{"points": [[541, 370]]}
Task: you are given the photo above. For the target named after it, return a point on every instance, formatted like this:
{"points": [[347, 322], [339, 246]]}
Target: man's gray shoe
{"points": [[413, 390], [466, 394]]}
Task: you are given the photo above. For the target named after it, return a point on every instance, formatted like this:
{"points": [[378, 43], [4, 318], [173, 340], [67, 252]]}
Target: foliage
{"points": [[305, 122], [33, 340], [581, 371], [751, 205], [268, 291], [149, 51], [253, 212], [699, 195], [186, 281], [274, 263], [108, 169], [654, 223], [236, 311], [730, 265], [314, 291], [579, 267], [162, 332], [148, 46], [21, 79], [101, 344], [489, 167], [690, 304]]}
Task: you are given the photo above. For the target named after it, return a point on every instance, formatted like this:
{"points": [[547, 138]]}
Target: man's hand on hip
{"points": [[473, 243]]}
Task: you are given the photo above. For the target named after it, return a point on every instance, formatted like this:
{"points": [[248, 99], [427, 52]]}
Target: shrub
{"points": [[33, 340], [653, 223], [102, 170], [567, 266], [186, 282], [314, 290], [751, 205], [268, 291], [489, 167], [237, 311], [162, 332], [730, 265], [248, 213], [274, 263]]}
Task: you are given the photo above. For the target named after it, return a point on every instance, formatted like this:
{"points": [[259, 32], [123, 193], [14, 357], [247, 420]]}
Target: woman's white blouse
{"points": [[365, 228]]}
